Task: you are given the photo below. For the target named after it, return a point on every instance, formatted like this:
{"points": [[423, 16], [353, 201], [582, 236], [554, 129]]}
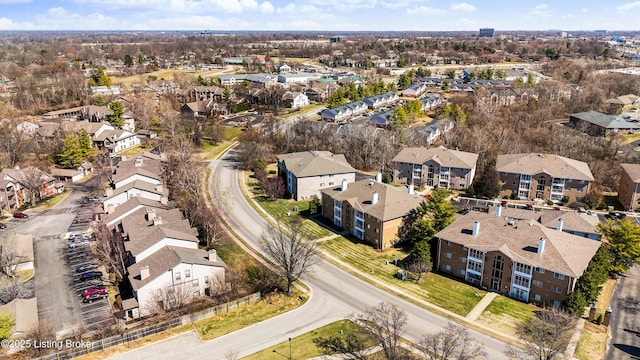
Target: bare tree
{"points": [[40, 333], [273, 186], [12, 288], [10, 258], [218, 285], [386, 322], [110, 247], [544, 336], [453, 343], [171, 297], [185, 174], [285, 244], [32, 180]]}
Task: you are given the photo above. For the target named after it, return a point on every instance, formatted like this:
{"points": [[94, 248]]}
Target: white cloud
{"points": [[462, 7], [344, 4], [294, 9], [628, 6], [394, 4], [425, 10], [14, 1], [540, 10], [267, 8]]}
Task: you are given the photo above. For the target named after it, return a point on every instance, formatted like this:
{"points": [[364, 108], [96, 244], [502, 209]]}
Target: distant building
{"points": [[336, 38], [598, 124], [486, 32], [628, 192], [449, 169]]}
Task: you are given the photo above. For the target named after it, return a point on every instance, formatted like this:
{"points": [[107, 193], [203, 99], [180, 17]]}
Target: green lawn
{"points": [[449, 294], [629, 138], [282, 207], [232, 132], [302, 347], [591, 345], [506, 314]]}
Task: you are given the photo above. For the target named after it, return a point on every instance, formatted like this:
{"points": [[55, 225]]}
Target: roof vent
{"points": [[540, 155], [511, 223]]}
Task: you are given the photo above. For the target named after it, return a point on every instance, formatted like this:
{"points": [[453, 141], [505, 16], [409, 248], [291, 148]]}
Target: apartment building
{"points": [[521, 259], [543, 176], [368, 209], [439, 166], [628, 191]]}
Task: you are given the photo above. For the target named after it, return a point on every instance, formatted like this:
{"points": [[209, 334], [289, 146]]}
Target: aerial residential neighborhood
{"points": [[261, 194]]}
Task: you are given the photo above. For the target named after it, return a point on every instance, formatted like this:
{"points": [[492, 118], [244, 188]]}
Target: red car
{"points": [[19, 215], [93, 297], [94, 290]]}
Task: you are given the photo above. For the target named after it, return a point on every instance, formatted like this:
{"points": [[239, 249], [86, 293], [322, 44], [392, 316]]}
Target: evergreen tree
{"points": [[117, 110], [624, 243]]}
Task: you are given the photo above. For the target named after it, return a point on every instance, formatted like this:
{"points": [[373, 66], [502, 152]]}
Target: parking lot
{"points": [[96, 314]]}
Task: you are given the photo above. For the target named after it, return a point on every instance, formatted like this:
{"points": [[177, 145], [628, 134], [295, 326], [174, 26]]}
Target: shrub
{"points": [[600, 319], [272, 172], [549, 202]]}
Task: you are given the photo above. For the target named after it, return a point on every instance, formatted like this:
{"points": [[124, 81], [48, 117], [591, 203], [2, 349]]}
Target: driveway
{"points": [[625, 319]]}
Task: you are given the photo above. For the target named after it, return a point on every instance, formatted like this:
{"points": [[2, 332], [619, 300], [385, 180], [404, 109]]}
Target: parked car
{"points": [[74, 243], [93, 297], [3, 226], [95, 290], [19, 215], [86, 267], [611, 215], [621, 215], [91, 275]]}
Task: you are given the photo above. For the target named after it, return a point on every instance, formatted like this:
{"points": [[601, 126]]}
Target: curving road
{"points": [[335, 294]]}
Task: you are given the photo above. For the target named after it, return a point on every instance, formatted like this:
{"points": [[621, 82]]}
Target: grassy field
{"points": [[167, 74], [302, 347], [629, 138], [591, 344], [449, 294], [506, 314], [268, 307]]}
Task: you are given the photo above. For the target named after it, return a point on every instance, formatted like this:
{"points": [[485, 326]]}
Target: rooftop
{"points": [[314, 163], [440, 154], [554, 165]]}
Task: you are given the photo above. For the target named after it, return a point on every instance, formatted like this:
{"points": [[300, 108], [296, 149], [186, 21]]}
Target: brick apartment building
{"points": [[439, 166], [521, 259], [543, 176], [628, 189], [369, 210]]}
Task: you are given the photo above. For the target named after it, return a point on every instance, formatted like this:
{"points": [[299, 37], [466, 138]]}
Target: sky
{"points": [[319, 15]]}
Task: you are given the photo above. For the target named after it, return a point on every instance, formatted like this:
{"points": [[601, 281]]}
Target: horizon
{"points": [[317, 15]]}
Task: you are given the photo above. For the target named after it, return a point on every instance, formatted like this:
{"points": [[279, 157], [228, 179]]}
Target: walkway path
{"points": [[480, 306]]}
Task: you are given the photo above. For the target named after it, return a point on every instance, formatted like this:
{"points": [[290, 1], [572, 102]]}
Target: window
{"points": [[448, 243], [195, 283], [177, 275], [446, 267], [556, 289], [196, 293], [461, 272], [536, 297], [537, 283], [555, 303], [523, 268], [558, 276], [476, 254], [448, 255], [206, 279], [187, 274], [540, 270], [579, 189], [331, 183]]}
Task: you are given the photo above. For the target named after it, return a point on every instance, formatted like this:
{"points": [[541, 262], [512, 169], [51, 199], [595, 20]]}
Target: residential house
{"points": [[305, 173], [382, 120], [34, 184], [543, 176], [297, 78], [203, 93], [72, 175], [137, 188], [25, 314], [105, 90], [439, 166], [415, 90], [145, 167], [343, 113], [430, 102], [284, 68], [262, 80], [115, 141], [621, 102], [509, 96], [172, 275], [524, 260], [598, 124], [129, 207], [376, 101], [368, 209], [434, 130], [91, 113], [295, 100], [628, 191]]}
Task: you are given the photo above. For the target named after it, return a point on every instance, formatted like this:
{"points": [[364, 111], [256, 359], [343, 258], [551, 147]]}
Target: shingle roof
{"points": [[138, 184], [605, 121], [141, 239], [314, 163], [392, 202], [549, 218], [151, 168], [563, 253], [633, 170], [139, 219], [554, 165], [440, 154], [132, 204], [166, 259], [24, 312]]}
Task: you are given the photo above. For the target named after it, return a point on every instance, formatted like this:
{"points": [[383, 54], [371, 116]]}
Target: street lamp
{"points": [[284, 356]]}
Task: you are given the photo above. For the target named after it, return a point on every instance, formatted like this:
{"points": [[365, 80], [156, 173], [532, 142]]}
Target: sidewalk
{"points": [[479, 308]]}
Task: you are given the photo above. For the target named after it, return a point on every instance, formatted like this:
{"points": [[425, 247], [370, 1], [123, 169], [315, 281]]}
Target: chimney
{"points": [[374, 198], [345, 185], [111, 208], [560, 224], [163, 200], [157, 220], [159, 188], [108, 191], [476, 228], [410, 189], [144, 272], [123, 157], [379, 177], [138, 161], [541, 243], [499, 210], [213, 255], [151, 214]]}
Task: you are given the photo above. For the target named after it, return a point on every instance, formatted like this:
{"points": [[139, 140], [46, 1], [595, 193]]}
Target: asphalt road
{"points": [[625, 319], [335, 295]]}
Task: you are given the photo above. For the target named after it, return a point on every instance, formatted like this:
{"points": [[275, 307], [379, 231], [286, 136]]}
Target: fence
{"points": [[86, 347]]}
